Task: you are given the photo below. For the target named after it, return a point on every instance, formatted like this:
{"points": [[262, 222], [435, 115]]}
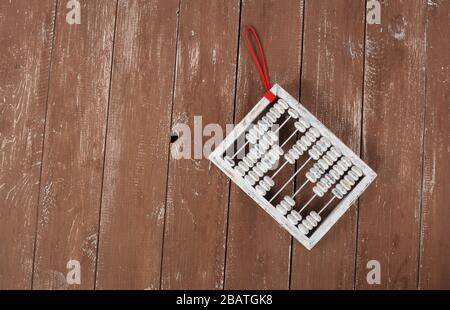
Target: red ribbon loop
{"points": [[259, 62]]}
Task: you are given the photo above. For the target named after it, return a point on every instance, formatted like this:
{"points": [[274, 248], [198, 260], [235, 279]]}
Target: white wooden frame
{"points": [[309, 242]]}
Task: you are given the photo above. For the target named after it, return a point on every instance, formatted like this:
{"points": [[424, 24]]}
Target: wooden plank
{"points": [[134, 193], [258, 249], [197, 198], [74, 146], [26, 32], [435, 251], [394, 97], [331, 88]]}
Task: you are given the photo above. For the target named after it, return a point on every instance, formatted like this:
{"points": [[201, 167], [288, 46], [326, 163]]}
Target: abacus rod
{"points": [[328, 203], [301, 187], [284, 123], [279, 169], [284, 143], [290, 179], [240, 149], [309, 201]]}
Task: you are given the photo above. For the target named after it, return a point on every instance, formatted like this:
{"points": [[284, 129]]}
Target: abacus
{"points": [[250, 153]]}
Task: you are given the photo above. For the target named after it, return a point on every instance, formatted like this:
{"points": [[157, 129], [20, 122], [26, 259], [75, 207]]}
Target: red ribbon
{"points": [[260, 63]]}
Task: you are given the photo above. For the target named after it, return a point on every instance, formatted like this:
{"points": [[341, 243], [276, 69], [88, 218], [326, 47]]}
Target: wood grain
{"points": [[258, 249], [74, 146], [331, 88], [435, 249], [26, 32], [394, 97], [197, 197], [137, 151]]}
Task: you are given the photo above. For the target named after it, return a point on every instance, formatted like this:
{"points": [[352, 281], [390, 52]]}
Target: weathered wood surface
{"points": [[86, 164], [72, 167], [26, 32]]}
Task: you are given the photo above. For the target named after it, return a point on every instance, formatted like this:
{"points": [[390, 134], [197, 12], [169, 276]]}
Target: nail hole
{"points": [[173, 137]]}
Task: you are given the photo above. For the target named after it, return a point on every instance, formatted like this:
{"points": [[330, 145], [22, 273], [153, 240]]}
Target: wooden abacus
{"points": [[336, 172]]}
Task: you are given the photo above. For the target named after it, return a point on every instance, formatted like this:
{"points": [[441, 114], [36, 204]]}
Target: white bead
{"points": [[243, 166], [254, 132], [311, 136], [306, 141], [315, 132], [272, 135], [326, 142], [239, 171], [336, 152], [338, 170], [275, 112], [294, 154], [269, 181], [329, 178], [303, 229], [302, 145], [289, 158], [304, 122], [300, 127], [258, 172], [358, 171], [319, 150], [298, 149], [311, 177], [293, 113], [264, 145], [289, 200], [252, 157], [327, 159], [285, 205], [265, 164], [347, 161], [277, 149], [322, 186], [279, 108], [272, 117], [248, 161], [341, 189], [341, 165], [337, 193], [349, 180], [281, 209], [258, 130], [267, 121], [321, 146], [323, 164], [249, 180], [262, 125], [264, 185], [318, 191], [319, 169], [267, 140], [353, 175], [253, 175], [274, 154], [292, 219], [326, 182], [335, 175], [250, 138], [331, 155], [315, 216], [229, 161], [314, 154], [311, 221], [307, 224], [345, 184], [296, 215], [260, 190], [283, 103]]}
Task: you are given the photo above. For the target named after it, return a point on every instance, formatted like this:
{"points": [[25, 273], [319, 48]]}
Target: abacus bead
{"points": [[253, 175], [244, 166], [250, 138], [272, 117], [299, 127], [306, 141], [267, 120], [336, 152], [319, 168], [258, 172], [253, 132], [319, 150], [322, 186], [326, 141], [248, 161], [332, 156], [298, 149], [239, 171], [281, 209], [292, 219], [302, 145], [345, 184], [269, 181], [265, 164], [258, 130], [274, 154], [353, 175], [315, 216], [347, 161], [349, 180], [341, 189], [249, 180], [337, 193], [275, 112], [326, 182], [323, 164], [329, 178], [342, 165], [318, 191], [327, 159], [293, 113], [311, 136], [314, 154], [322, 146], [311, 177], [335, 175], [315, 172], [264, 145], [261, 190], [267, 140], [358, 171], [272, 135], [229, 161], [279, 108], [296, 215], [315, 132], [285, 205], [294, 153], [303, 229], [252, 157], [307, 224], [283, 103], [304, 122], [289, 200], [264, 185], [311, 221], [263, 125], [289, 158], [338, 169], [277, 149], [260, 150]]}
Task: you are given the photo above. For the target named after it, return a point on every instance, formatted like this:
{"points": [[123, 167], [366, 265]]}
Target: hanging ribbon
{"points": [[259, 62]]}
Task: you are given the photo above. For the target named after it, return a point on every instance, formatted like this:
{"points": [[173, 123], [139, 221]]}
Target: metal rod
{"points": [[279, 169], [328, 203], [309, 201], [284, 143], [301, 187], [290, 179], [284, 123], [240, 149]]}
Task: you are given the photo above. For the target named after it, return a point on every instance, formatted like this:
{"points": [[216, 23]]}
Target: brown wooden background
{"points": [[86, 113]]}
